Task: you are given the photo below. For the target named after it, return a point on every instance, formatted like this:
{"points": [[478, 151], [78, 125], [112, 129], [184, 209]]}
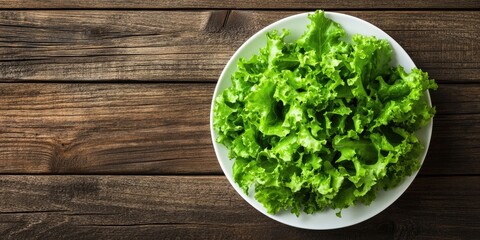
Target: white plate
{"points": [[297, 24]]}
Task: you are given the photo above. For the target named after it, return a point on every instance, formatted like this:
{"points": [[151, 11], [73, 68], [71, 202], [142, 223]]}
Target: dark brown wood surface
{"points": [[195, 46], [104, 119], [206, 207], [245, 4]]}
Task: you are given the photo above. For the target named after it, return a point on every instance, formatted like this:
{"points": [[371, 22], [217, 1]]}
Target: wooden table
{"points": [[104, 119]]}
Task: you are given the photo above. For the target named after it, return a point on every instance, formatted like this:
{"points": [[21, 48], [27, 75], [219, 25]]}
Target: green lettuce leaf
{"points": [[321, 123]]}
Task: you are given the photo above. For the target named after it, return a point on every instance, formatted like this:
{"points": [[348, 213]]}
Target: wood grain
{"points": [[457, 98], [248, 4], [66, 117], [160, 207], [94, 127], [164, 129], [196, 45]]}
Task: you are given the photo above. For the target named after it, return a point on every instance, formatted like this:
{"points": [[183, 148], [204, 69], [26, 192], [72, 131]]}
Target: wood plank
{"points": [[246, 4], [142, 128], [457, 98], [164, 129], [455, 141], [162, 207], [195, 46]]}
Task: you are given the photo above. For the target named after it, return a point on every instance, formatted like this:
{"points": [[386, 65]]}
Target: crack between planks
{"points": [[198, 9], [157, 224], [33, 212], [454, 114], [112, 81], [109, 174], [225, 21]]}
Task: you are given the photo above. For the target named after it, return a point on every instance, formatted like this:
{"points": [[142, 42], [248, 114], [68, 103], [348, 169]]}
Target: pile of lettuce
{"points": [[320, 122]]}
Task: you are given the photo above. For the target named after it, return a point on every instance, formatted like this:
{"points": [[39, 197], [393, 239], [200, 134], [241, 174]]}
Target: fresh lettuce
{"points": [[322, 123]]}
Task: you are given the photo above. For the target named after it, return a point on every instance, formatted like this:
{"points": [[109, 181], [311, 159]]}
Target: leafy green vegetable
{"points": [[321, 122]]}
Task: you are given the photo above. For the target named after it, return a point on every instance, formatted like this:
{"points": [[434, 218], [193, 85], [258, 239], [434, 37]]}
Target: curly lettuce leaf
{"points": [[321, 123]]}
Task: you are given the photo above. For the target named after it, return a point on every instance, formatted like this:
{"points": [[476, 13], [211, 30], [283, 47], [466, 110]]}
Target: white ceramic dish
{"points": [[297, 24]]}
